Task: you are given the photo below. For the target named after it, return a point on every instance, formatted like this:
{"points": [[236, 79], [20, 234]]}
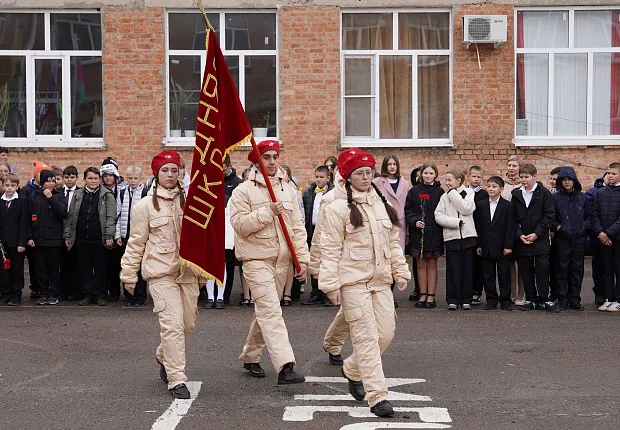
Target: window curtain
{"points": [[395, 97], [433, 97]]}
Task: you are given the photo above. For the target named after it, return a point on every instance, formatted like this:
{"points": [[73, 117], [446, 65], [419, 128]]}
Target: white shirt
{"points": [[316, 207], [71, 193], [527, 196], [493, 207], [6, 199]]}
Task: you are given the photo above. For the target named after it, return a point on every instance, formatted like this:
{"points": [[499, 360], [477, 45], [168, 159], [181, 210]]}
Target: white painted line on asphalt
{"points": [[392, 395], [306, 413], [178, 409], [391, 382], [386, 425]]}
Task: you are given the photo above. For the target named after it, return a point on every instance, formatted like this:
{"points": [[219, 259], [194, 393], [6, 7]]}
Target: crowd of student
{"points": [[528, 239]]}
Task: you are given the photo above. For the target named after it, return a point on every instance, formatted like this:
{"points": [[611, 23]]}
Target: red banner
{"points": [[221, 126]]}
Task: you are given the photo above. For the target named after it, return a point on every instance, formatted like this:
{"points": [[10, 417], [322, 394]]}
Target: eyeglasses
{"points": [[363, 173]]}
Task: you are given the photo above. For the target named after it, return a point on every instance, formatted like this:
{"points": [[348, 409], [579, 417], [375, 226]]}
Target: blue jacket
{"points": [[606, 212], [599, 183], [572, 209]]}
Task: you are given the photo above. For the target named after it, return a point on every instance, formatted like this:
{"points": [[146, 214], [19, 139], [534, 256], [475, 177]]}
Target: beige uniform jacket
{"points": [[153, 245], [259, 235], [370, 254]]}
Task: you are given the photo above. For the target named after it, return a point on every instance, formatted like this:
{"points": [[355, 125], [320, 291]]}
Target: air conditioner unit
{"points": [[485, 29]]}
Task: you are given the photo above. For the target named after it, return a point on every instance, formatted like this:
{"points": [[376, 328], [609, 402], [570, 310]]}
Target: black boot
{"points": [[254, 369], [315, 300], [356, 388], [383, 409], [288, 376], [336, 359], [180, 392]]}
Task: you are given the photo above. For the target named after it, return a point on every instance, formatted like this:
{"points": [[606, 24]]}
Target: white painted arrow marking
{"points": [[306, 413], [391, 382], [178, 409], [392, 395], [386, 425]]}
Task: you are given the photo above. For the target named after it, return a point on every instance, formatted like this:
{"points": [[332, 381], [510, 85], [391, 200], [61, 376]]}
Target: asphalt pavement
{"points": [[70, 367]]}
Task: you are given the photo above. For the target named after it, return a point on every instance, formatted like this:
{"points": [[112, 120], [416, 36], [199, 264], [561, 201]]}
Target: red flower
{"points": [[425, 196], [7, 264]]}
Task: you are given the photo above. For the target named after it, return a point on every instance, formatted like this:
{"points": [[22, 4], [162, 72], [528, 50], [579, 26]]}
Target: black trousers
{"points": [[32, 269], [92, 259], [597, 268], [48, 260], [478, 276], [459, 276], [500, 269], [611, 270], [231, 263], [69, 273], [554, 287], [12, 280], [139, 293], [569, 270], [113, 272], [534, 272]]}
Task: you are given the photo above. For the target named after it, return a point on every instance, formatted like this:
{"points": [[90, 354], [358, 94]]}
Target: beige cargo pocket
{"points": [[259, 292], [159, 305], [360, 254], [354, 314]]}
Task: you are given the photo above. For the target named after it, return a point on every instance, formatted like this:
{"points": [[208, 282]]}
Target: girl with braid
{"points": [[153, 247], [360, 258]]}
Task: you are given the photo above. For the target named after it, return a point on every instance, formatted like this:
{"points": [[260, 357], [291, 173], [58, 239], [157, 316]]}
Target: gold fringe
{"points": [[199, 271], [238, 144]]}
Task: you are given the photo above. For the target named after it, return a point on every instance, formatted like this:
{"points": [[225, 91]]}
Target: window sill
{"points": [[189, 142], [563, 141], [41, 144], [395, 143]]}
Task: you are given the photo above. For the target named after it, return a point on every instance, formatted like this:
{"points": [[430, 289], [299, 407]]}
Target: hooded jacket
{"points": [[231, 181], [27, 190], [126, 199], [107, 215], [258, 232], [47, 217], [433, 233], [456, 206], [370, 254], [572, 209], [537, 218]]}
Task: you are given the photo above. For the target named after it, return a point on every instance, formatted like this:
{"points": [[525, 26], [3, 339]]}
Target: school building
{"points": [[457, 83]]}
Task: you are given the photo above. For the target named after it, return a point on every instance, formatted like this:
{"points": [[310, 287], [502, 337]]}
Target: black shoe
{"points": [[489, 307], [356, 388], [180, 392], [254, 369], [140, 303], [316, 300], [52, 301], [395, 303], [573, 306], [550, 307], [430, 305], [219, 304], [42, 301], [286, 301], [288, 376], [507, 307], [335, 359], [528, 306], [209, 304], [383, 409], [101, 302], [327, 303], [420, 303], [245, 303], [116, 299], [130, 304], [162, 372], [414, 296], [85, 302]]}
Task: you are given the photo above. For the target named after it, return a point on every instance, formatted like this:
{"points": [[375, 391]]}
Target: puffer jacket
{"points": [[153, 245], [122, 209], [606, 212], [370, 254], [456, 206], [598, 184], [572, 210], [258, 232], [107, 215]]}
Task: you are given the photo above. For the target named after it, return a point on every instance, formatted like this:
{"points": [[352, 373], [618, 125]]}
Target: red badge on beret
{"points": [[165, 157], [353, 161]]}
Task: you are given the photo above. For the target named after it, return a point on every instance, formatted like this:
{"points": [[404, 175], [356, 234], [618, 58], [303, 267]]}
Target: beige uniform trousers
{"points": [[266, 280], [176, 307], [370, 314], [336, 334]]}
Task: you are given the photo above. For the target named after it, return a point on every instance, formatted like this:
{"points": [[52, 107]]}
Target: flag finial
{"points": [[201, 6]]}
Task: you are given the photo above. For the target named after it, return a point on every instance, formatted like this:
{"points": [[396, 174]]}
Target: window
{"points": [[568, 76], [396, 78], [249, 44], [51, 79]]}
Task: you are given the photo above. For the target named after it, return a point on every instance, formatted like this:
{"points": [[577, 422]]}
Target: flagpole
{"points": [[272, 194]]}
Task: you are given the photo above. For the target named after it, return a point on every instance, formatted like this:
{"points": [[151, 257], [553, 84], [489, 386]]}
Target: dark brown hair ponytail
{"points": [[389, 209], [355, 216]]}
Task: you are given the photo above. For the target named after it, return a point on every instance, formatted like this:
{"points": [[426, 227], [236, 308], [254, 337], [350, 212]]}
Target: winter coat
{"points": [[456, 206], [433, 233], [572, 210], [153, 245], [315, 249], [107, 215], [397, 200], [231, 182], [122, 209], [47, 217], [308, 200], [370, 254], [258, 232], [537, 218], [606, 212], [598, 184], [27, 190]]}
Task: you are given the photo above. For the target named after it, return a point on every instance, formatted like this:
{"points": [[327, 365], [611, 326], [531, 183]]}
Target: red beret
{"points": [[165, 157], [264, 146], [353, 161], [346, 154]]}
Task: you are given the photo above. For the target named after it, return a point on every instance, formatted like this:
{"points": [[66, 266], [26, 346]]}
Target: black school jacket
{"points": [[46, 218], [14, 223], [537, 218], [498, 234]]}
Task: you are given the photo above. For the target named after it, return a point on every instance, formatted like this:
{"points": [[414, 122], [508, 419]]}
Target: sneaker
{"points": [[528, 306], [466, 307], [52, 301], [452, 307], [551, 307], [42, 301], [140, 303], [521, 302], [614, 307], [476, 299], [180, 392], [605, 305], [219, 304]]}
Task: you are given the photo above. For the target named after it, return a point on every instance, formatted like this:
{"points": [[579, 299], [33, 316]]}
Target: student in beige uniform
{"points": [[512, 182], [260, 244], [361, 257], [154, 246]]}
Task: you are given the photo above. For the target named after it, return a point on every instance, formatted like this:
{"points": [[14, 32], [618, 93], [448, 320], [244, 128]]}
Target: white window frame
{"points": [[241, 54], [51, 141], [375, 141], [589, 139]]}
